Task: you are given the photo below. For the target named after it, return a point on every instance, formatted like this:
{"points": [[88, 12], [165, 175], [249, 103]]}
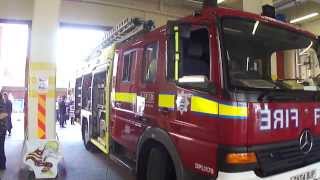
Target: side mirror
{"points": [[193, 79], [198, 82]]}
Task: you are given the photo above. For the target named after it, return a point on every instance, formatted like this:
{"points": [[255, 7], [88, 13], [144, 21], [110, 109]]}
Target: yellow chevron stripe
{"points": [[166, 100], [235, 110], [42, 102], [126, 97], [41, 117], [207, 106], [202, 105], [41, 133]]}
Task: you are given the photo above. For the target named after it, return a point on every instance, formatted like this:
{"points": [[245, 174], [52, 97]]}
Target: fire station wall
{"points": [[111, 14], [289, 66], [313, 26], [97, 12], [16, 9]]}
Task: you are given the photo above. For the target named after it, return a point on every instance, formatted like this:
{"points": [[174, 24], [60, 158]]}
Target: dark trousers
{"points": [[2, 154], [9, 124], [62, 119], [72, 120], [58, 115]]}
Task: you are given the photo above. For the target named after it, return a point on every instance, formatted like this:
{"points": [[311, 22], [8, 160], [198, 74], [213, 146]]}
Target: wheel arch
{"points": [[157, 135]]}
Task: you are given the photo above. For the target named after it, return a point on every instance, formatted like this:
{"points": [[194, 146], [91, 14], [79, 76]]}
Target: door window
{"points": [[150, 59], [128, 61], [196, 53]]}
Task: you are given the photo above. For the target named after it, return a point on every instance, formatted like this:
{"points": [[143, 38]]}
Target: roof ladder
{"points": [[128, 28]]}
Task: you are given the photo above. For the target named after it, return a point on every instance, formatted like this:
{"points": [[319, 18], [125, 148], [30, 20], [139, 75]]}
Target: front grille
{"points": [[284, 157]]}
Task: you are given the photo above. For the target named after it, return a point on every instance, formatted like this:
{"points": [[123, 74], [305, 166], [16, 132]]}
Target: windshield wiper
{"points": [[267, 92]]}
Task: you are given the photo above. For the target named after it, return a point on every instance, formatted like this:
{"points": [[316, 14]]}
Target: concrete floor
{"points": [[77, 164]]}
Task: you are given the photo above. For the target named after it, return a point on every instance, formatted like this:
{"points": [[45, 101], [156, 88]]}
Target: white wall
{"points": [[313, 27], [16, 9], [97, 12]]}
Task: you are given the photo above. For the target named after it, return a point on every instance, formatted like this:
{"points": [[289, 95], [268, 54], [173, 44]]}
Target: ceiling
{"points": [[291, 8], [299, 8], [236, 4]]}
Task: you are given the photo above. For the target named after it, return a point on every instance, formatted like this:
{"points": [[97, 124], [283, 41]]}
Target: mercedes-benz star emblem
{"points": [[306, 141]]}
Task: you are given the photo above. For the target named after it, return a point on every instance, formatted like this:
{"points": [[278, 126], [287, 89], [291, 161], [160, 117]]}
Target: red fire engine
{"points": [[200, 98]]}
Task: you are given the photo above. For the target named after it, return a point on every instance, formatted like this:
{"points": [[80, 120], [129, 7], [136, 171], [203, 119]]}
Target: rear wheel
{"points": [[159, 166], [86, 137]]}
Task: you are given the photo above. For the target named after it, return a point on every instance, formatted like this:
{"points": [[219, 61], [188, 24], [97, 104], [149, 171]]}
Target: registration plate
{"points": [[310, 175]]}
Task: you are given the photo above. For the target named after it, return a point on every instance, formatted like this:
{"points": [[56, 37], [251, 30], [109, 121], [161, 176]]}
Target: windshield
{"points": [[263, 56]]}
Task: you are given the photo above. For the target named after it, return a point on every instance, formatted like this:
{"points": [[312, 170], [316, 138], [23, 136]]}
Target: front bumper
{"points": [[250, 175]]}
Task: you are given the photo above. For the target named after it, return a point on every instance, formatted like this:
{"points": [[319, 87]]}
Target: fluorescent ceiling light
{"points": [[220, 1], [255, 27], [304, 17]]}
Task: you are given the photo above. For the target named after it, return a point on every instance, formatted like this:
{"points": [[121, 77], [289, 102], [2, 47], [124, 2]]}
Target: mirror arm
{"points": [[208, 87]]}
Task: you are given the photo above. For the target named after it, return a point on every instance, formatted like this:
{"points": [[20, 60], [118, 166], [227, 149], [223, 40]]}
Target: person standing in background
{"points": [[8, 107], [57, 110], [3, 132], [71, 111], [62, 111]]}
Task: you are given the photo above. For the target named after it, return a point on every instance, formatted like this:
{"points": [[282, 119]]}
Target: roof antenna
{"points": [[210, 3]]}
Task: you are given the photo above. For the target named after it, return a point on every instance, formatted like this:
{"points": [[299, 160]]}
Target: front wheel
{"points": [[86, 136], [160, 166]]}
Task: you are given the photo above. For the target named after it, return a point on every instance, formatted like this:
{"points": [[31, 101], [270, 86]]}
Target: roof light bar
{"points": [[304, 17]]}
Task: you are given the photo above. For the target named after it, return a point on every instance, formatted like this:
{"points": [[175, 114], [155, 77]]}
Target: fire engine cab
{"points": [[203, 98]]}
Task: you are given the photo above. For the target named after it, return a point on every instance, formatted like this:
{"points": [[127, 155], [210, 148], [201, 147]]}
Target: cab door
{"points": [[149, 84], [193, 63], [124, 108]]}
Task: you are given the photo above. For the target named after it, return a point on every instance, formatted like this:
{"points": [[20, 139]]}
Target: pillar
{"points": [[2, 79], [42, 70], [41, 125]]}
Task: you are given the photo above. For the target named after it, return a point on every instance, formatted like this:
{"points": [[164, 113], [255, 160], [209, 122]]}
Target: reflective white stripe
{"points": [[250, 175]]}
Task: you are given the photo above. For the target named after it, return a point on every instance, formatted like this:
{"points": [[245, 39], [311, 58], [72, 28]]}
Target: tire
{"points": [[160, 166], [86, 137]]}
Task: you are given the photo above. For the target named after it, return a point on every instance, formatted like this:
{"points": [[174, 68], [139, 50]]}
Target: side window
{"points": [[150, 59], [128, 61], [196, 53]]}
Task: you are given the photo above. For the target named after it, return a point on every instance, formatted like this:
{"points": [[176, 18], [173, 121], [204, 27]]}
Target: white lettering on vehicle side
{"points": [[295, 116], [279, 118], [265, 119], [203, 168]]}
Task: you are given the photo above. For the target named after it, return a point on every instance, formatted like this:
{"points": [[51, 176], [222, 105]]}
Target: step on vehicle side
{"points": [[199, 99]]}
